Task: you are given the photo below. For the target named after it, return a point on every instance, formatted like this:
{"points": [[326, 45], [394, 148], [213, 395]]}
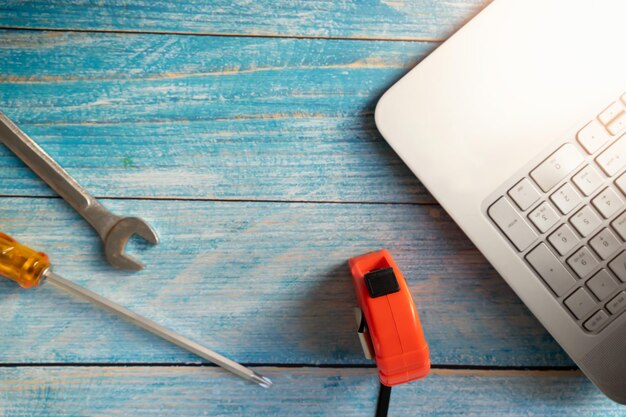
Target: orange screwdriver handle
{"points": [[20, 263]]}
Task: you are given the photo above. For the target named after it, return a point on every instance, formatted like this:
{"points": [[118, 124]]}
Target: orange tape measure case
{"points": [[390, 328]]}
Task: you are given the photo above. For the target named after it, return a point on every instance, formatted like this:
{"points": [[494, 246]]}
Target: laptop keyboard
{"points": [[567, 219]]}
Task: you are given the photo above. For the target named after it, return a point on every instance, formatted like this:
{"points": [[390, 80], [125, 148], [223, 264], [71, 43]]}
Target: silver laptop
{"points": [[517, 126]]}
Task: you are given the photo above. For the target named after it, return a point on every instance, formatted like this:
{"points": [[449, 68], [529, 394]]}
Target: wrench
{"points": [[113, 229]]}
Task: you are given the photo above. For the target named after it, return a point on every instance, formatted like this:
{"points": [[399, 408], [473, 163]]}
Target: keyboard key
{"points": [[550, 269], [585, 221], [612, 160], [618, 266], [566, 198], [563, 239], [544, 217], [593, 136], [587, 180], [611, 112], [608, 202], [617, 125], [617, 304], [580, 303], [597, 321], [512, 224], [621, 183], [562, 162], [582, 262], [524, 194], [619, 225], [602, 285], [605, 244]]}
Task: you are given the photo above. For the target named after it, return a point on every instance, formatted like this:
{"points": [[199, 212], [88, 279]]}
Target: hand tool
{"points": [[389, 326], [30, 268], [113, 230]]}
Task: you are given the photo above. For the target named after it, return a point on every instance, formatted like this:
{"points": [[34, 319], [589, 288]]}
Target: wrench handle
{"points": [[43, 165], [56, 177]]}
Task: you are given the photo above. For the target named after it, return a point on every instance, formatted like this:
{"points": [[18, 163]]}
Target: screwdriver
{"points": [[30, 268]]}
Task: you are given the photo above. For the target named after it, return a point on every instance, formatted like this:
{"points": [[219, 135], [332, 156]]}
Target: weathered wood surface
{"points": [[377, 19], [170, 127], [262, 282], [202, 391], [206, 117]]}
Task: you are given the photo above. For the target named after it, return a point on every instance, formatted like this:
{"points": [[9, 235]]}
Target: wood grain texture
{"points": [[206, 117], [193, 391], [201, 118], [379, 19], [262, 282]]}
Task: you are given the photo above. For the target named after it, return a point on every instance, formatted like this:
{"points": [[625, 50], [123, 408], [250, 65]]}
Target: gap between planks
{"points": [[224, 35], [435, 369], [236, 200]]}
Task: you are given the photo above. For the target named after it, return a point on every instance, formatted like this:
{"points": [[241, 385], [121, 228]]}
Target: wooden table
{"points": [[244, 131]]}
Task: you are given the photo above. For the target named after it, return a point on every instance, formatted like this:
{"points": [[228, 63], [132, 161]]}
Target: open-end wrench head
{"points": [[118, 236]]}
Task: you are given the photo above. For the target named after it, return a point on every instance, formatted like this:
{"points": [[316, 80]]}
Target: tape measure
{"points": [[388, 323]]}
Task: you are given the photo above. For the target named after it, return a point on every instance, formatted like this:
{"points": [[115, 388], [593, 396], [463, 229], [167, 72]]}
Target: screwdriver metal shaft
{"points": [[155, 328]]}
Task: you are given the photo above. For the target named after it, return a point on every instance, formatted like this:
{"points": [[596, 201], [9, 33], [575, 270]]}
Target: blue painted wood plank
{"points": [[501, 393], [206, 117], [261, 282], [193, 391], [380, 19]]}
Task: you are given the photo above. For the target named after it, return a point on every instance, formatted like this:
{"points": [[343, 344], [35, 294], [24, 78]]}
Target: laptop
{"points": [[517, 126]]}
